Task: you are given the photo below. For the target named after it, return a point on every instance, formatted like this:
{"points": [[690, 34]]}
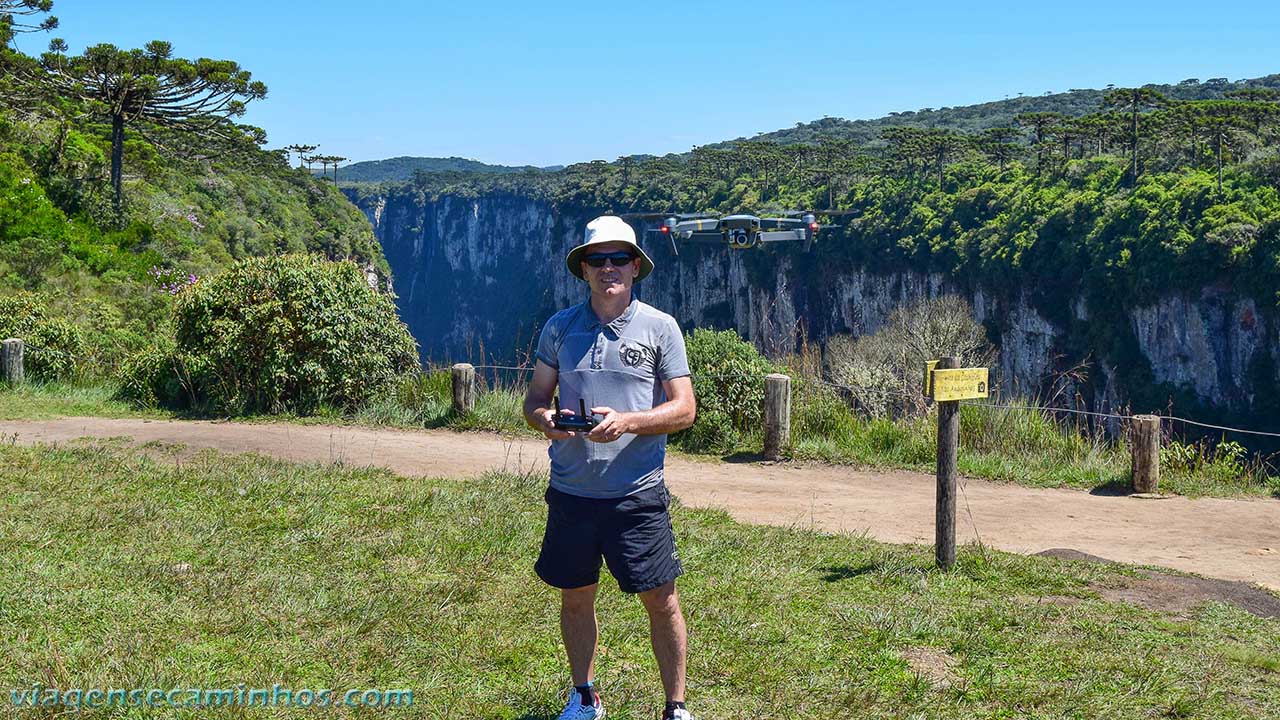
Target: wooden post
{"points": [[11, 370], [948, 450], [464, 388], [777, 414], [1145, 444]]}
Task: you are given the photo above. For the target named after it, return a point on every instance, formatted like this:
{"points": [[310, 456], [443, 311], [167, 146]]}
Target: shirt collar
{"points": [[618, 323]]}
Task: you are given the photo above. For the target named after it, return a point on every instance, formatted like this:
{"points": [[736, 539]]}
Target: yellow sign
{"points": [[959, 384], [929, 365]]}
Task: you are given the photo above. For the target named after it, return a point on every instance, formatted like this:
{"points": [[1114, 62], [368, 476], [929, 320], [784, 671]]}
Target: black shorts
{"points": [[632, 533]]}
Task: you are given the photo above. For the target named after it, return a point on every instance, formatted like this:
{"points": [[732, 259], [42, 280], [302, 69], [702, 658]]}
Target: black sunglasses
{"points": [[617, 259]]}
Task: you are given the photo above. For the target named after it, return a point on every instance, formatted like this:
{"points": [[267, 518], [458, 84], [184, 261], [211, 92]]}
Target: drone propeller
{"points": [[664, 215], [798, 213], [802, 213]]}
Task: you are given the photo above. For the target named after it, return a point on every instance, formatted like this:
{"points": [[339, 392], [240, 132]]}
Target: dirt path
{"points": [[1229, 539]]}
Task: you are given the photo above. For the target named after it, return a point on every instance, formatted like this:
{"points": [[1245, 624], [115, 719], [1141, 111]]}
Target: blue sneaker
{"points": [[575, 710]]}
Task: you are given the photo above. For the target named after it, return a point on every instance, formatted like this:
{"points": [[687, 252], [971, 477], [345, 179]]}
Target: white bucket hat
{"points": [[608, 228]]}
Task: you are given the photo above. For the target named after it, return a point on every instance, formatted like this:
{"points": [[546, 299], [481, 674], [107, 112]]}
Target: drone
{"points": [[742, 231]]}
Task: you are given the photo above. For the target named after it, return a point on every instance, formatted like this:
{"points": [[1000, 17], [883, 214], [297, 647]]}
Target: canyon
{"points": [[477, 276]]}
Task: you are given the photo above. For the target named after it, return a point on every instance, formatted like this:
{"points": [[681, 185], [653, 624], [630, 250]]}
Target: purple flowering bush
{"points": [[171, 281]]}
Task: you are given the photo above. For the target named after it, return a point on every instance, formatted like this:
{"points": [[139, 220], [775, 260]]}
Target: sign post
{"points": [[948, 451], [948, 383]]}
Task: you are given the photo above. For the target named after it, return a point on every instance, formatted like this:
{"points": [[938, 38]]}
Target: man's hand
{"points": [[537, 401], [611, 427], [546, 425]]}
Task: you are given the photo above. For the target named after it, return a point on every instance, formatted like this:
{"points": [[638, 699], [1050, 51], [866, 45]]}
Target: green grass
{"points": [[124, 570], [46, 400], [422, 401]]}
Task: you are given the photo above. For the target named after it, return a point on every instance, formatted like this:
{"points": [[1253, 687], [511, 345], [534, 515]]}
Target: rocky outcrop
{"points": [[476, 277], [1211, 341]]}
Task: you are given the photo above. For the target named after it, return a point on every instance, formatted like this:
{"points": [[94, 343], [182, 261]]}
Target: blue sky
{"points": [[558, 82]]}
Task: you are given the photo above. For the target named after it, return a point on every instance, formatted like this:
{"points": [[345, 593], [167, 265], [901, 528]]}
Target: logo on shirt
{"points": [[634, 354]]}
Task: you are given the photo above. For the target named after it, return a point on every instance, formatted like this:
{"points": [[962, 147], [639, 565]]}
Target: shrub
{"points": [[33, 233], [291, 333], [1222, 462], [54, 347], [886, 368], [120, 331], [152, 376], [728, 379], [728, 375], [713, 432]]}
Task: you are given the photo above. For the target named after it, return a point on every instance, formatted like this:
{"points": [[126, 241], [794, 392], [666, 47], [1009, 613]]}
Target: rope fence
{"points": [[1262, 433], [37, 350], [1163, 418], [1051, 409], [854, 389], [503, 367], [881, 395], [863, 390], [74, 361], [12, 370], [527, 368]]}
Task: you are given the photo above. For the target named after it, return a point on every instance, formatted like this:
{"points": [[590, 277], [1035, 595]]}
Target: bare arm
{"points": [[538, 401], [677, 413]]}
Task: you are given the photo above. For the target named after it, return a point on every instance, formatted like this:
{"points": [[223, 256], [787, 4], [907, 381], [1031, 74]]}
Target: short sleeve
{"points": [[672, 360], [549, 343]]}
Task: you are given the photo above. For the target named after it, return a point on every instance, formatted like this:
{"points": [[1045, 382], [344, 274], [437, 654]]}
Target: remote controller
{"points": [[582, 422]]}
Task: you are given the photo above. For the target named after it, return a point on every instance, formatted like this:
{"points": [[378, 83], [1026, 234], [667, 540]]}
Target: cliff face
{"points": [[483, 274]]}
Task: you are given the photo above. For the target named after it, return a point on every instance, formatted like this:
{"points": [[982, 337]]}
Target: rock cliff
{"points": [[480, 275]]}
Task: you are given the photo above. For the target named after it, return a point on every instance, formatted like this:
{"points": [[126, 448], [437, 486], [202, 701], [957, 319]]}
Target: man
{"points": [[626, 361]]}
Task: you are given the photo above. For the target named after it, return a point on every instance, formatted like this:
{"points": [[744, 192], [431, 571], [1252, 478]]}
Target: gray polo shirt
{"points": [[620, 365]]}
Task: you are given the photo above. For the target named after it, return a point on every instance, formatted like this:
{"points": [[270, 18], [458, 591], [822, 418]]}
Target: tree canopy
{"points": [[151, 85], [18, 16]]}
